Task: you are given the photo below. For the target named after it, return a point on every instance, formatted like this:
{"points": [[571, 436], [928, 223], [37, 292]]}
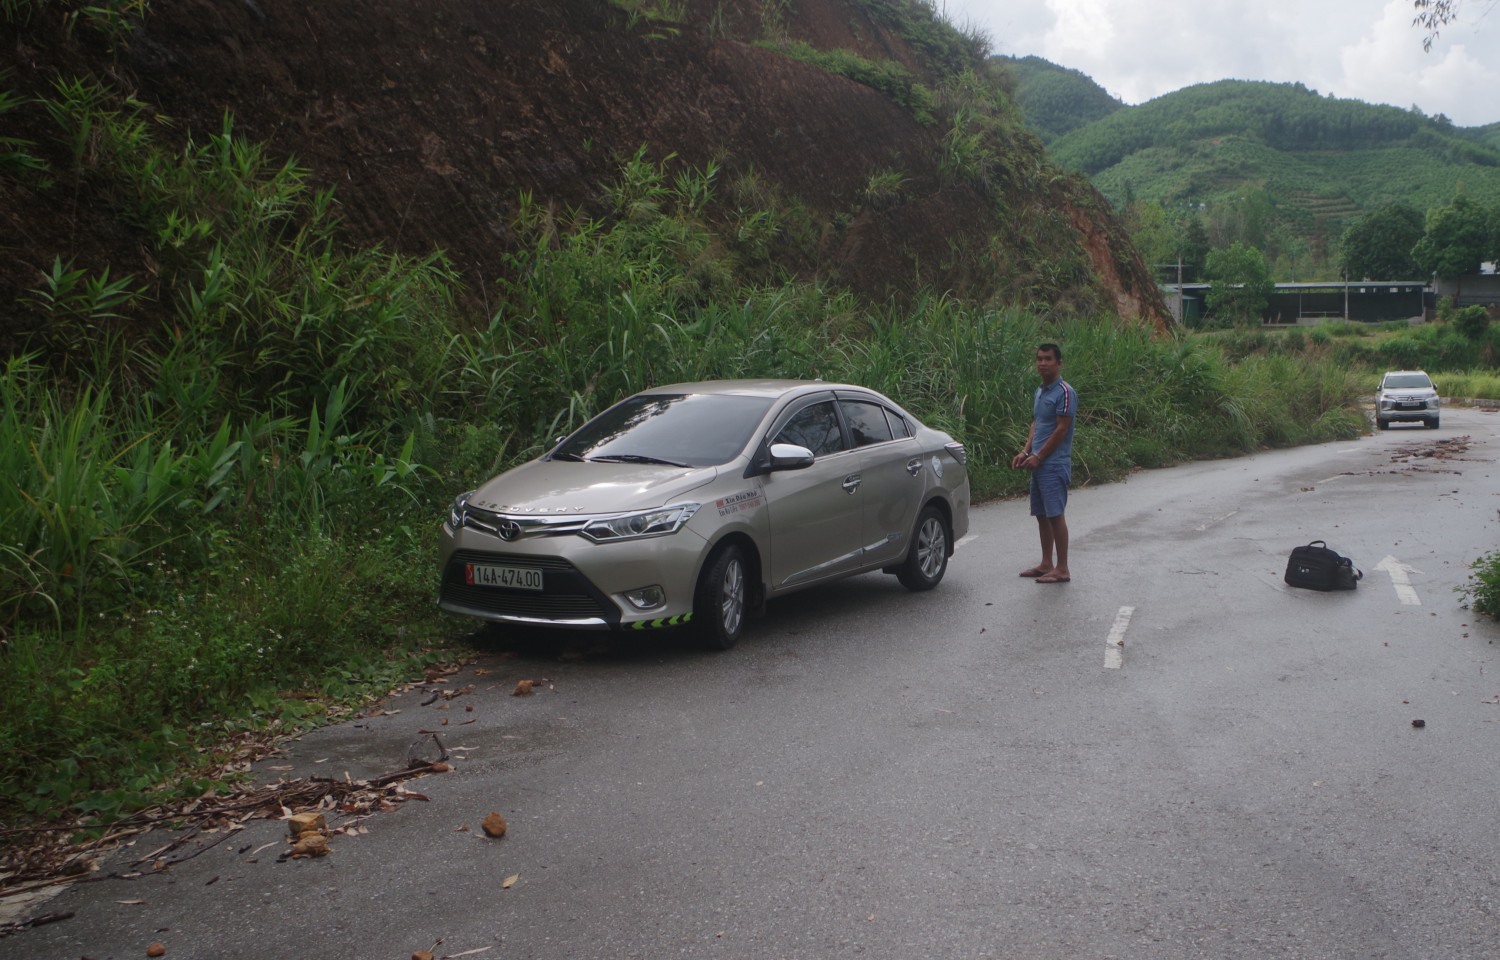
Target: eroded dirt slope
{"points": [[430, 119]]}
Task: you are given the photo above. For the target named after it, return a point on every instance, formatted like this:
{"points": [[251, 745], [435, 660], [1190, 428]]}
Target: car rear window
{"points": [[867, 421], [698, 430]]}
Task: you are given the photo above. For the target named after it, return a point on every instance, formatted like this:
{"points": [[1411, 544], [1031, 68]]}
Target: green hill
{"points": [[1487, 134], [1314, 164], [1057, 100]]}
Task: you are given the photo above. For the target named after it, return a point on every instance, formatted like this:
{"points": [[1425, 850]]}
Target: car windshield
{"points": [[1406, 381], [688, 430]]}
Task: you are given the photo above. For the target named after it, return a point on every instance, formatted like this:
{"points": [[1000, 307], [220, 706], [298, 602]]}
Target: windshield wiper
{"points": [[575, 458], [636, 458]]}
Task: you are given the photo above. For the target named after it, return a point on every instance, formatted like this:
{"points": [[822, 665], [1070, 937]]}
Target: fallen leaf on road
{"points": [[509, 881]]}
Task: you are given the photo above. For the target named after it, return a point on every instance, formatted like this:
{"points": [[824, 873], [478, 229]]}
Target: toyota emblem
{"points": [[509, 530]]}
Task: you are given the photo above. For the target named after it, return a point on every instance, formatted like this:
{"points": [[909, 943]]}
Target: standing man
{"points": [[1048, 454]]}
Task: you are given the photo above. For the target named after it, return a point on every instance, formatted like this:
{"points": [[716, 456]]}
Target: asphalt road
{"points": [[1174, 756]]}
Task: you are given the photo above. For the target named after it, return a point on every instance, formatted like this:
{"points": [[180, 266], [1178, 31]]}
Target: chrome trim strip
{"points": [[813, 573], [581, 623], [525, 525]]}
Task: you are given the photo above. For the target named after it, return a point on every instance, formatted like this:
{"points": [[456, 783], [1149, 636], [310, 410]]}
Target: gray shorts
{"points": [[1049, 490]]}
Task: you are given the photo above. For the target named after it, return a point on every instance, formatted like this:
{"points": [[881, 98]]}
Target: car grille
{"points": [[566, 594]]}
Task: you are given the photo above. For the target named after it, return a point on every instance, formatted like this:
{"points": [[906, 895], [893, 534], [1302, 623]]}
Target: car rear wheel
{"points": [[927, 559], [719, 601]]}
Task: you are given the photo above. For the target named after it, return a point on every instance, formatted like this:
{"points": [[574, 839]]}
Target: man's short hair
{"points": [[1056, 350]]}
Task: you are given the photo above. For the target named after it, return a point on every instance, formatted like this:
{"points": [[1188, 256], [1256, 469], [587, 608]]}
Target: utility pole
{"points": [[1180, 305]]}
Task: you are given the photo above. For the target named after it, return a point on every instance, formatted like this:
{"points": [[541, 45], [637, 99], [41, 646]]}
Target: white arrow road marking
{"points": [[1114, 647], [1216, 520], [1399, 579]]}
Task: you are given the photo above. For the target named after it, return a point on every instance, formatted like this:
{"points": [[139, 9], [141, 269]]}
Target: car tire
{"points": [[927, 558], [1382, 424], [1432, 424], [719, 602]]}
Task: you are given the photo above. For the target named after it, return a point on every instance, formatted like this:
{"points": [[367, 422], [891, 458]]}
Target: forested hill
{"points": [[1488, 134], [1286, 117], [1277, 166], [1057, 100]]}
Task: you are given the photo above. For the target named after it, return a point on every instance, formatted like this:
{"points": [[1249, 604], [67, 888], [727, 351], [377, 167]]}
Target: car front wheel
{"points": [[927, 559], [1432, 424], [719, 601]]}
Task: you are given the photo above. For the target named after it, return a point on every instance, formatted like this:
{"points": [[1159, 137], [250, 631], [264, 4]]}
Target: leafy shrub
{"points": [[1403, 352], [1483, 589], [1472, 321]]}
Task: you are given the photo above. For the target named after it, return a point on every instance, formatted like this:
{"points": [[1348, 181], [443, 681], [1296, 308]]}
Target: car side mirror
{"points": [[789, 456]]}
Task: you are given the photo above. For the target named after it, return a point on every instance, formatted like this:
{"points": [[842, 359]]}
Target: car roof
{"points": [[1398, 373], [755, 388]]}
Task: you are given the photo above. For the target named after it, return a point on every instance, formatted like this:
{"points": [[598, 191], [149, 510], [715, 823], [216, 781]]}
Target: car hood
{"points": [[1418, 393], [568, 488]]}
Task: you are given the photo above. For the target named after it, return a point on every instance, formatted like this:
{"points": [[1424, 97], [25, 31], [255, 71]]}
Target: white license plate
{"points": [[495, 575]]}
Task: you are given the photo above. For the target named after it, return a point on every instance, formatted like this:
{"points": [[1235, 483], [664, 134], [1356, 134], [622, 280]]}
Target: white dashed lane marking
{"points": [[1114, 647]]}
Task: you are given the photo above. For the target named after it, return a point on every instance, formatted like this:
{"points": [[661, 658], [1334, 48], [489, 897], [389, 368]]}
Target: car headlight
{"points": [[457, 509], [658, 522]]}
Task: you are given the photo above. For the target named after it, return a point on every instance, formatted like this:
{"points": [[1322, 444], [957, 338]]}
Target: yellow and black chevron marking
{"points": [[676, 621]]}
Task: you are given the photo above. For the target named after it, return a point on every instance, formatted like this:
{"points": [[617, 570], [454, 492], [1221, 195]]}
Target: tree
{"points": [[1246, 217], [1195, 246], [1378, 246], [1242, 284], [1432, 15], [1472, 322], [1459, 236], [1155, 236]]}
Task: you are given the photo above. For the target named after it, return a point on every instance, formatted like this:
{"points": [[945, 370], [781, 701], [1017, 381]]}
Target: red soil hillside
{"points": [[430, 119]]}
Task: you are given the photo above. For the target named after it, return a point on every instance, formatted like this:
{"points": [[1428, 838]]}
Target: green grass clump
{"points": [[1469, 385], [1482, 591], [887, 76]]}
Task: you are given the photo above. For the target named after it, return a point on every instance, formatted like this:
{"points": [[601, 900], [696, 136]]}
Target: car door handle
{"points": [[914, 466], [852, 482]]}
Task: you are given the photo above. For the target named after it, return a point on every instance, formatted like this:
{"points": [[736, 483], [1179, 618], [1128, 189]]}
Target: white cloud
{"points": [[1360, 49]]}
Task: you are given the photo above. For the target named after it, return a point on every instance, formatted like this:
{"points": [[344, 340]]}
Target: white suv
{"points": [[1406, 395]]}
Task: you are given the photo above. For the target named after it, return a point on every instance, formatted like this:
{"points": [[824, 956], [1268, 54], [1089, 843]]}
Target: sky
{"points": [[1355, 49]]}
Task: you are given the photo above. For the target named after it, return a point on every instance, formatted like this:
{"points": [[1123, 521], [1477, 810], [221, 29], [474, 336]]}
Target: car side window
{"points": [[867, 422], [900, 429], [815, 427]]}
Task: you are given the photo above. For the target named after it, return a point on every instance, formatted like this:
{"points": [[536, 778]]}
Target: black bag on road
{"points": [[1318, 568]]}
